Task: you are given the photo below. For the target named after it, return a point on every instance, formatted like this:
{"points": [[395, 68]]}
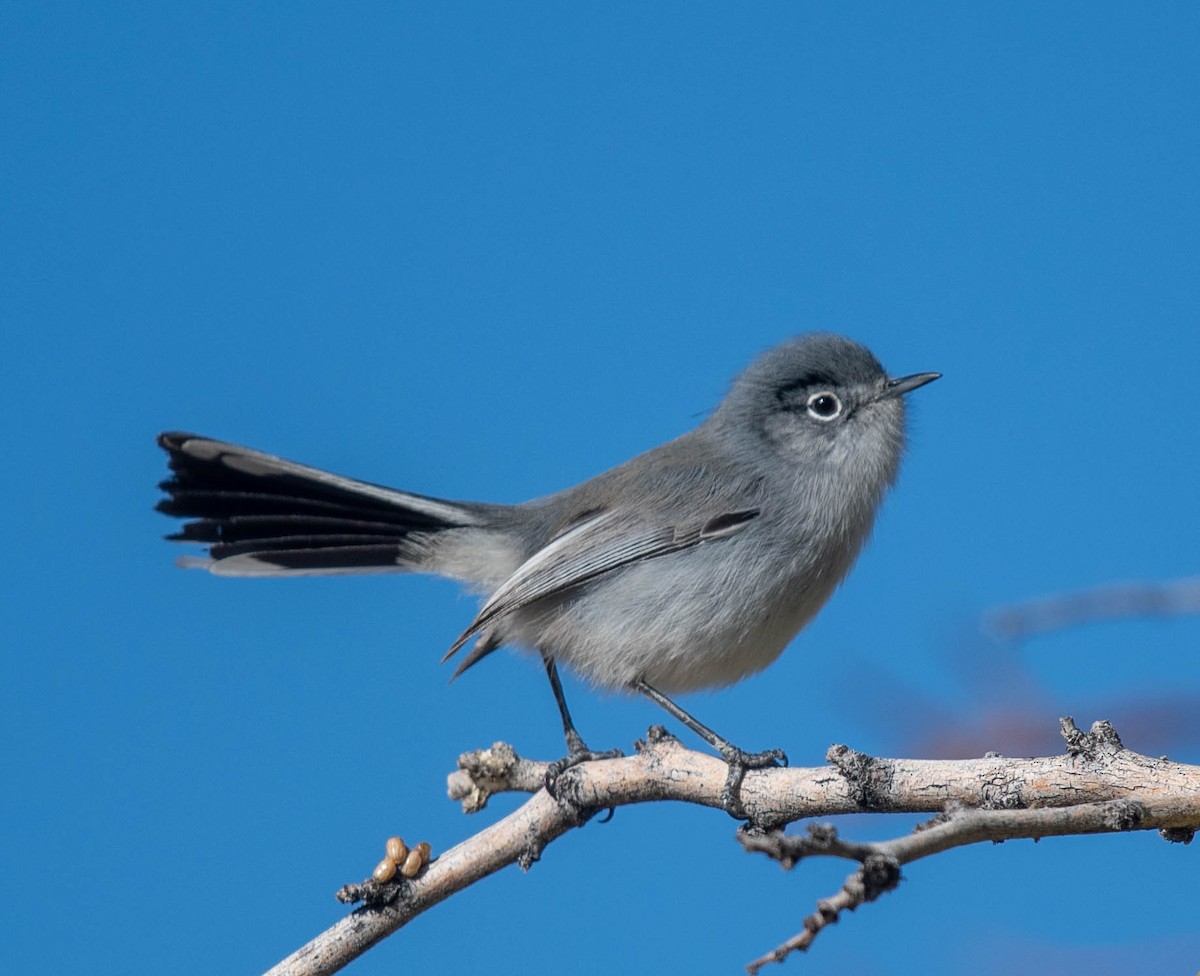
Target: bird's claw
{"points": [[574, 758], [739, 762]]}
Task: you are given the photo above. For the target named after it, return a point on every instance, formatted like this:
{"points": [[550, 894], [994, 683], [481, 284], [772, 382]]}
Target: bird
{"points": [[688, 567]]}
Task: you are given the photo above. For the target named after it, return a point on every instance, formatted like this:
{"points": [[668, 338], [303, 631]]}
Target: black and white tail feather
{"points": [[261, 515]]}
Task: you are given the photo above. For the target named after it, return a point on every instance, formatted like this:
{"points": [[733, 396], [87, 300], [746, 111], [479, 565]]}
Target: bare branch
{"points": [[983, 799]]}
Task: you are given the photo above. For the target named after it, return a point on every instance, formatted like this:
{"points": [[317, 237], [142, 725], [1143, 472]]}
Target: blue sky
{"points": [[487, 250]]}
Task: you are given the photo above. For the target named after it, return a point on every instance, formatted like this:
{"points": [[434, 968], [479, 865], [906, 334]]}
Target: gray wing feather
{"points": [[587, 550]]}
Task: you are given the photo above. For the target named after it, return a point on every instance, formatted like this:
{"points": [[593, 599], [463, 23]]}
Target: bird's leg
{"points": [[737, 759], [577, 750]]}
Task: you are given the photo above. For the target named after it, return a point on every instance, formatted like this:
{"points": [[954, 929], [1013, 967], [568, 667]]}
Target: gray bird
{"points": [[690, 566]]}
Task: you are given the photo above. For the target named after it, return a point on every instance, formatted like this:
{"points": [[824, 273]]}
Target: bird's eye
{"points": [[824, 406]]}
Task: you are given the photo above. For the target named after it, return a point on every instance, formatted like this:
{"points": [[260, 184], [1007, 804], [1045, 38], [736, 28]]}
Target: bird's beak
{"points": [[906, 384]]}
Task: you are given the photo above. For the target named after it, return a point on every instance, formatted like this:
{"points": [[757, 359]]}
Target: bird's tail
{"points": [[263, 516]]}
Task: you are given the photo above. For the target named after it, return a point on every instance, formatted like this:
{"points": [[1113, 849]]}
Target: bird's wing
{"points": [[598, 544]]}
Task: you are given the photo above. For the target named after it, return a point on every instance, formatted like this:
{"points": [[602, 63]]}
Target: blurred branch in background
{"points": [[1030, 618], [1004, 698]]}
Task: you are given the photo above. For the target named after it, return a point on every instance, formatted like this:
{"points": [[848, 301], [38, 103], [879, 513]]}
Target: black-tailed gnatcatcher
{"points": [[690, 566]]}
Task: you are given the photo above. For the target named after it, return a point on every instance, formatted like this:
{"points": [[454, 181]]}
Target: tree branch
{"points": [[1097, 786]]}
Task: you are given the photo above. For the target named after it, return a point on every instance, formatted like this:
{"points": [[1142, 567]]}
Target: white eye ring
{"points": [[824, 406]]}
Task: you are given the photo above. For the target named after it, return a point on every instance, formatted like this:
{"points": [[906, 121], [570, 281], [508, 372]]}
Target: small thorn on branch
{"points": [[372, 893], [655, 735], [868, 778], [1099, 742]]}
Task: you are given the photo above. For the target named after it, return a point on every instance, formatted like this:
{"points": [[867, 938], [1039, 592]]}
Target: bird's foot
{"points": [[739, 761], [577, 752]]}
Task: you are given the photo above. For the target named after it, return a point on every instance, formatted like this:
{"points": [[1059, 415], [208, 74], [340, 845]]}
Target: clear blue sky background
{"points": [[486, 250]]}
